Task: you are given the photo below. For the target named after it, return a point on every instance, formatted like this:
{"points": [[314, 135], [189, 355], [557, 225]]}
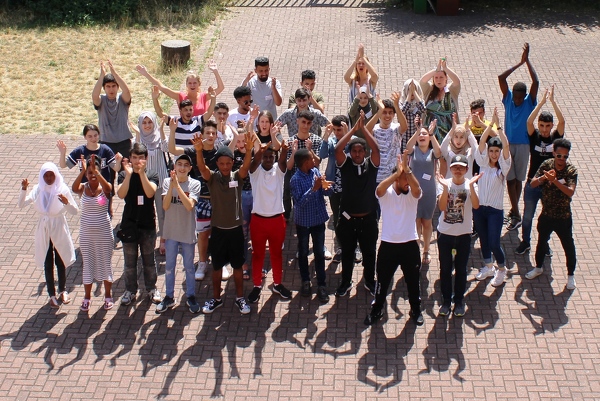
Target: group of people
{"points": [[223, 179]]}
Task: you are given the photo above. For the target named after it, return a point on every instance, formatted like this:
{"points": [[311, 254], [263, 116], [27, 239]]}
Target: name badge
{"points": [[562, 181], [426, 177], [140, 200], [233, 184]]}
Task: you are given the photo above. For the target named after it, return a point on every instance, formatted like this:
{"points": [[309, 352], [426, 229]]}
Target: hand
{"points": [[250, 75], [173, 175], [442, 181], [328, 131], [475, 178], [432, 126], [439, 65], [142, 167], [63, 199], [326, 184], [379, 102], [132, 126], [454, 117], [102, 68], [197, 142], [284, 147], [92, 165], [263, 147], [476, 120], [173, 123], [155, 92], [295, 145], [254, 112], [84, 164], [275, 128], [443, 63], [308, 144], [249, 141], [551, 94], [24, 184], [468, 122], [418, 122], [118, 158], [212, 66], [318, 183], [112, 68], [211, 92], [361, 51], [525, 55], [62, 148], [404, 161], [273, 83], [495, 118], [395, 96], [550, 175], [345, 127], [141, 69], [361, 120], [127, 166]]}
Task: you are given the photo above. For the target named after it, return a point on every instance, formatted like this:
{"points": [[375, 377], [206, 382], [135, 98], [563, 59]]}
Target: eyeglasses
{"points": [[247, 102], [559, 156]]}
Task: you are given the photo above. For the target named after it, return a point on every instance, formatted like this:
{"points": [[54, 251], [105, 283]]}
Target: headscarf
{"points": [[466, 146], [152, 139], [48, 193]]}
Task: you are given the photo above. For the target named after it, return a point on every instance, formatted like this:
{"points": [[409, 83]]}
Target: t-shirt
{"points": [[316, 145], [236, 116], [113, 118], [515, 119], [225, 137], [478, 131], [184, 133], [555, 203], [267, 191], [388, 140], [540, 149], [289, 118], [139, 209], [201, 105], [358, 183], [457, 219], [211, 162], [262, 94], [226, 199], [398, 216], [180, 224], [103, 153]]}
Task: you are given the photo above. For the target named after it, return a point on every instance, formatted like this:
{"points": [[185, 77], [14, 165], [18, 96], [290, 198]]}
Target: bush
{"points": [[80, 12]]}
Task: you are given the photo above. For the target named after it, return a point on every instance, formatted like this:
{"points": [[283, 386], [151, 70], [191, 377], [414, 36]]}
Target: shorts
{"points": [[520, 158], [203, 215], [227, 246]]}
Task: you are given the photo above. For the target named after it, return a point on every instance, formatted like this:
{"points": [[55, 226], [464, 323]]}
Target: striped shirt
{"points": [[186, 131], [388, 140], [492, 182]]}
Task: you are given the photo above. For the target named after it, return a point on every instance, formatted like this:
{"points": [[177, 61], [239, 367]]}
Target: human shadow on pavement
{"points": [[483, 314], [385, 356], [263, 319], [301, 315], [444, 344]]}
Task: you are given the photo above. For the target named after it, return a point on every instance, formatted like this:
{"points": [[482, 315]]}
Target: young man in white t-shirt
{"points": [[398, 196]]}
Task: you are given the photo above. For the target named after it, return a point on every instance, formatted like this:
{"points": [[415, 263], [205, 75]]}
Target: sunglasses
{"points": [[559, 156], [247, 102]]}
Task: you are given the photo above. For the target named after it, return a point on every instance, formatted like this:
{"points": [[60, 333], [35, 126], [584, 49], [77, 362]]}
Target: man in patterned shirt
{"points": [[289, 117], [558, 179]]}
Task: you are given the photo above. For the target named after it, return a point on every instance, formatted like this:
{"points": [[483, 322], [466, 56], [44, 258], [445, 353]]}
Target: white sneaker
{"points": [[225, 273], [200, 271], [155, 296], [571, 283], [485, 272], [536, 271], [328, 255], [499, 277]]}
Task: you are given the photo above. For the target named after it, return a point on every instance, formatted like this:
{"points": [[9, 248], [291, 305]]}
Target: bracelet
{"points": [[498, 128]]}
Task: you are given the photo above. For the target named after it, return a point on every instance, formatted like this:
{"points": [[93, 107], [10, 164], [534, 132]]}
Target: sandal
{"points": [[108, 303], [426, 258], [53, 302], [162, 250], [64, 296], [85, 305], [246, 275]]}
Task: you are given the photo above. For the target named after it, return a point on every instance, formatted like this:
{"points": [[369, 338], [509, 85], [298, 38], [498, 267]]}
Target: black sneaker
{"points": [[343, 289], [370, 287], [165, 304], [522, 248], [210, 306], [322, 294], [243, 306], [417, 317], [459, 309], [515, 223], [193, 304], [281, 290], [305, 291], [374, 316], [445, 309], [254, 295]]}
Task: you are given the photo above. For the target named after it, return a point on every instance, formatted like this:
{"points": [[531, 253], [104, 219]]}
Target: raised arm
{"points": [[173, 149], [98, 87], [340, 156], [560, 125], [125, 93], [249, 144], [504, 76], [167, 91], [535, 113], [62, 151], [211, 107], [212, 66], [376, 116], [371, 142], [157, 107], [202, 167], [451, 74], [77, 186], [410, 145], [277, 99], [437, 152], [429, 74], [535, 82], [399, 114]]}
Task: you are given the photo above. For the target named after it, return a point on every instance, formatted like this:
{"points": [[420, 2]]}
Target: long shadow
{"points": [[483, 314], [444, 344], [301, 315], [422, 27], [265, 317], [385, 357]]}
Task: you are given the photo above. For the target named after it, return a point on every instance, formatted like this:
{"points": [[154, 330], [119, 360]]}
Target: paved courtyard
{"points": [[525, 340]]}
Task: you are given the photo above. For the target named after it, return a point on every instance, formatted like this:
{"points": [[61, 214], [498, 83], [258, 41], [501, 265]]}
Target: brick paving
{"points": [[527, 339]]}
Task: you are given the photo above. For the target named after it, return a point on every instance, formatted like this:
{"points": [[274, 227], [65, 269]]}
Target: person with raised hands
{"points": [[398, 196], [412, 105], [200, 100], [459, 141], [493, 157], [361, 73]]}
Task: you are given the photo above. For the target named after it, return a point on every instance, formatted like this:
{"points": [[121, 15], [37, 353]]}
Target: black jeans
{"points": [[462, 244], [564, 229], [365, 231], [408, 256], [51, 257]]}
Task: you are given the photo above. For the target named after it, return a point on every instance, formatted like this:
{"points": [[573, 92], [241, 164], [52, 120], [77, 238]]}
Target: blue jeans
{"points": [[462, 244], [146, 241], [531, 197], [247, 201], [488, 222], [187, 251], [318, 237]]}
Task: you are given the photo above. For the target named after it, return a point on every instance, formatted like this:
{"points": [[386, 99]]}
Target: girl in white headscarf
{"points": [[51, 198]]}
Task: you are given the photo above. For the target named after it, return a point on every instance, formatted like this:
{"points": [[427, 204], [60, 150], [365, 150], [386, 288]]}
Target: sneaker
{"points": [[328, 255], [155, 296], [374, 316], [522, 248], [254, 295], [54, 302], [193, 304], [322, 294], [536, 271], [343, 289], [571, 285], [370, 287], [337, 258], [515, 223], [200, 271], [357, 256], [444, 309], [485, 272], [281, 290], [459, 309], [417, 317], [165, 304], [64, 296], [225, 273], [549, 252], [243, 306], [210, 306], [305, 291], [499, 277], [127, 298]]}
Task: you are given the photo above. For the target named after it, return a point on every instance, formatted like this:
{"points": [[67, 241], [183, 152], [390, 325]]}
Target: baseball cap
{"points": [[495, 142], [184, 157], [224, 151], [459, 160]]}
